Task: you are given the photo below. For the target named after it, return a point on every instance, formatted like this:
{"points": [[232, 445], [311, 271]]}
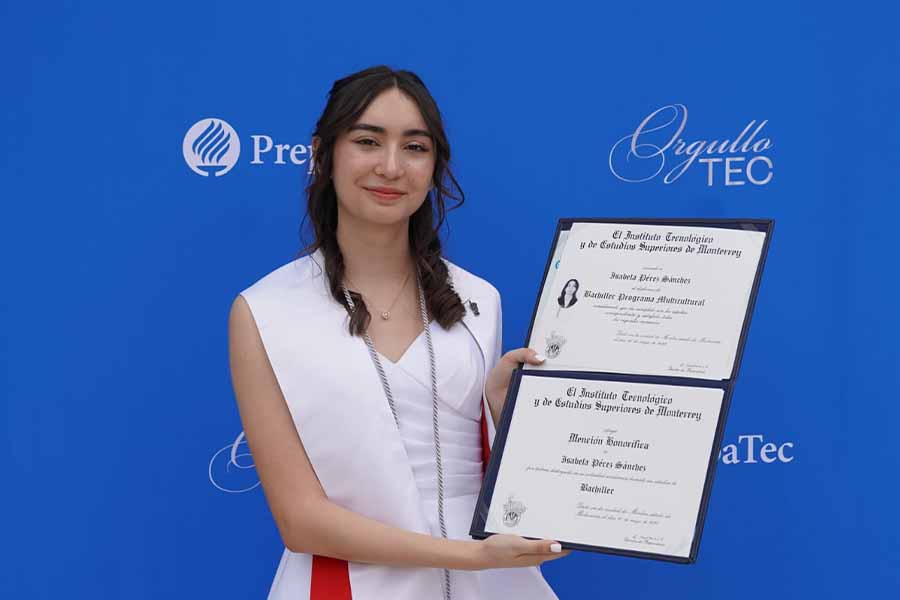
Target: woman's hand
{"points": [[497, 381], [503, 550]]}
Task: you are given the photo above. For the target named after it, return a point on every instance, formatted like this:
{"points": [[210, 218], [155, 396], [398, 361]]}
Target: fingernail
{"points": [[540, 357], [555, 547]]}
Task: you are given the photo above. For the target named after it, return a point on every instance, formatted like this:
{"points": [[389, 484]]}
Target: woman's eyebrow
{"points": [[377, 129]]}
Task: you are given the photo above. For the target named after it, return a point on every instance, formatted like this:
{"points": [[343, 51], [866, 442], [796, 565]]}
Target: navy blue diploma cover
{"points": [[600, 468]]}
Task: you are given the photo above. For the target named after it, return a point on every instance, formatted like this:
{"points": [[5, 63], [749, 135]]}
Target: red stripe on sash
{"points": [[330, 579], [485, 445]]}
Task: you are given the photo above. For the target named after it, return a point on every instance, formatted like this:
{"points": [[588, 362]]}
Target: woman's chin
{"points": [[389, 212], [387, 215]]}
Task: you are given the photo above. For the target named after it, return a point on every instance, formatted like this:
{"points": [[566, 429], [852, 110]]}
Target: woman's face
{"points": [[571, 286], [384, 163]]}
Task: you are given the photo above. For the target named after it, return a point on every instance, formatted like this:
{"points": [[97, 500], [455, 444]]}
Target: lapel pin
{"points": [[474, 307]]}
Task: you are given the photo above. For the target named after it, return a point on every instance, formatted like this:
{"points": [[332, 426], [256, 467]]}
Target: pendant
{"points": [[386, 315]]}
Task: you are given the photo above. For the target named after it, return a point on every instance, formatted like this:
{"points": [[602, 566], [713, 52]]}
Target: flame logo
{"points": [[211, 146]]}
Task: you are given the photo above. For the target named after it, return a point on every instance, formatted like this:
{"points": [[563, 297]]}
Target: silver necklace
{"points": [[386, 314], [434, 408]]}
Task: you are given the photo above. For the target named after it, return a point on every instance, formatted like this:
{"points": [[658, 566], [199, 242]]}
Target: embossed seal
{"points": [[555, 342], [512, 512]]}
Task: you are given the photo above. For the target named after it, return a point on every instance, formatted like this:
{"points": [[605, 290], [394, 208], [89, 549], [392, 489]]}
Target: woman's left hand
{"points": [[497, 382]]}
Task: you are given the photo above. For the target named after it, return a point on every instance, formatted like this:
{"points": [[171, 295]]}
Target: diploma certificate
{"points": [[610, 445], [618, 465], [649, 299]]}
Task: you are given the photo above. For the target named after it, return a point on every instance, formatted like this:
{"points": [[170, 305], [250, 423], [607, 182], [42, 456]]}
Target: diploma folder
{"points": [[640, 432]]}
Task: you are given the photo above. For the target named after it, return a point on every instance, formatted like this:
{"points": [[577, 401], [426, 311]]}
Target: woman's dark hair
{"points": [[562, 294], [348, 99]]}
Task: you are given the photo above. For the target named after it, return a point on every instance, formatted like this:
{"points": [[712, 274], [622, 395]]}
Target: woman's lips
{"points": [[384, 194]]}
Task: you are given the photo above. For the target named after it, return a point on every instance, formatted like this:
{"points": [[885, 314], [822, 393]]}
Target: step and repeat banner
{"points": [[154, 163]]}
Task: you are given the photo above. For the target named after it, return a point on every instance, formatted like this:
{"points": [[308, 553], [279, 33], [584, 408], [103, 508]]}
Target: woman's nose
{"points": [[391, 163]]}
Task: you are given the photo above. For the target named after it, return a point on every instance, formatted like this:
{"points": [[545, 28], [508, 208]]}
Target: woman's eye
{"points": [[371, 142]]}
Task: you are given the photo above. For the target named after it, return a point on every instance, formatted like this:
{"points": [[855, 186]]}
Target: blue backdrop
{"points": [[120, 262]]}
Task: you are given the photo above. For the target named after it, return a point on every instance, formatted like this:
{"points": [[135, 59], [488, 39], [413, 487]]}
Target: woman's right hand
{"points": [[503, 550]]}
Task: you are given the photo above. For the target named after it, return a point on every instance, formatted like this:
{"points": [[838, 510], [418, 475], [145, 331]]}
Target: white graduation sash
{"points": [[338, 406]]}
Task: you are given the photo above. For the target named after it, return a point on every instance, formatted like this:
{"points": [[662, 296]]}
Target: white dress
{"points": [[460, 376], [459, 409]]}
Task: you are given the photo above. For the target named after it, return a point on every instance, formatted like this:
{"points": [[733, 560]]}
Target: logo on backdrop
{"points": [[754, 448], [231, 468], [211, 147], [659, 147]]}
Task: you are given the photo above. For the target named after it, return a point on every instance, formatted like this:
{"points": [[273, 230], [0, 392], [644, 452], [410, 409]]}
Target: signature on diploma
{"points": [[646, 540], [689, 368]]}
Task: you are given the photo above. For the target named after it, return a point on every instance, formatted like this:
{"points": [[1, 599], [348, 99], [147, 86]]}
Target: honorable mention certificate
{"points": [[667, 300], [606, 463]]}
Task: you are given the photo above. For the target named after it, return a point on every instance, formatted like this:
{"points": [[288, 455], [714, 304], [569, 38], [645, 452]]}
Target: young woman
{"points": [[368, 372]]}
